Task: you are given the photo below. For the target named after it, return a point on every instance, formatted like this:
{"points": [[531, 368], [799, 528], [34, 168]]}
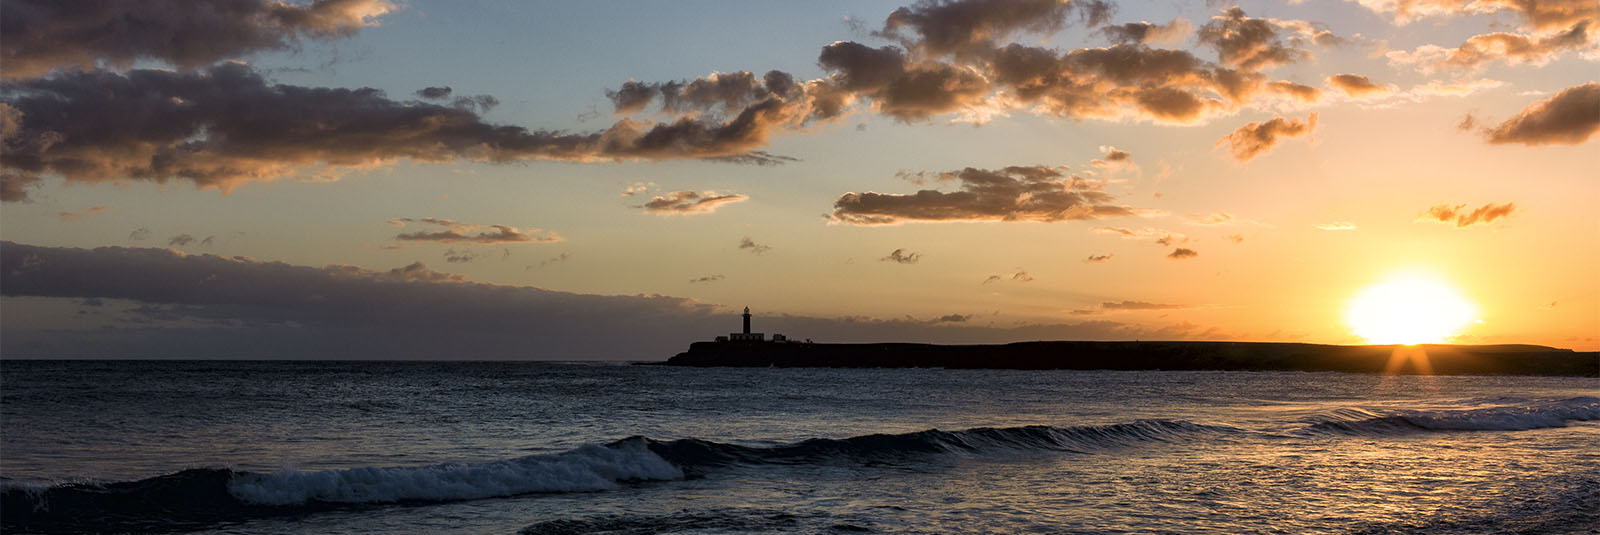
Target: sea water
{"points": [[548, 448]]}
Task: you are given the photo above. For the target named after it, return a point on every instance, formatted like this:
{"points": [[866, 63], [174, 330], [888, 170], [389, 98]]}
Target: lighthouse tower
{"points": [[746, 335]]}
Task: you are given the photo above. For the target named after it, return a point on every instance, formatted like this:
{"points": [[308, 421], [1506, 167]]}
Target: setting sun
{"points": [[1409, 309]]}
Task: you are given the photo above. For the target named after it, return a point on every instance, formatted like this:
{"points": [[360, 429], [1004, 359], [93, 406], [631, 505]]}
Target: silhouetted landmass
{"points": [[1254, 356]]}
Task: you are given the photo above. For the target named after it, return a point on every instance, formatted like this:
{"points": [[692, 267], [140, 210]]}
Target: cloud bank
{"points": [[178, 305]]}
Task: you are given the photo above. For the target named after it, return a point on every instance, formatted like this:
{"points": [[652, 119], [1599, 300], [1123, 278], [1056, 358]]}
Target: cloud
{"points": [[1337, 225], [689, 202], [1093, 259], [1246, 43], [1219, 218], [463, 256], [1142, 33], [1356, 85], [181, 240], [1481, 50], [226, 125], [1113, 157], [1257, 138], [936, 28], [1448, 214], [454, 232], [953, 318], [44, 34], [80, 214], [637, 188], [1182, 253], [707, 278], [139, 234], [1017, 193], [1139, 305], [434, 93], [1160, 237], [1235, 238], [1568, 118], [753, 247], [1455, 89], [1300, 92], [1020, 275], [1535, 15], [237, 307], [901, 256]]}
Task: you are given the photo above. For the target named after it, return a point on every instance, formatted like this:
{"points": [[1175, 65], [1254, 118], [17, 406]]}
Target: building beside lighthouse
{"points": [[747, 336]]}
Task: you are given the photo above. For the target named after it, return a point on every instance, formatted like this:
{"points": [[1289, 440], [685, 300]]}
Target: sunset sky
{"points": [[420, 179]]}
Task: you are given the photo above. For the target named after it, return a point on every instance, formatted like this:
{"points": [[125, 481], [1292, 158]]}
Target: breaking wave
{"points": [[1513, 417], [199, 497]]}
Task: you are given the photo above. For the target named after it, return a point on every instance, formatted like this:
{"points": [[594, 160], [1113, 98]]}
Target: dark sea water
{"points": [[545, 448]]}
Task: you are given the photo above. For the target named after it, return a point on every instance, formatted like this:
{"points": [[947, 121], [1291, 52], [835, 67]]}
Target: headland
{"points": [[748, 349]]}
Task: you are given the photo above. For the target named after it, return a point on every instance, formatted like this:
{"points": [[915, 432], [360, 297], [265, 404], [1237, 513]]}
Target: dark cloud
{"points": [[208, 241], [1182, 253], [1140, 33], [753, 247], [244, 308], [1457, 214], [1247, 43], [901, 256], [1255, 139], [1569, 118], [1020, 275], [80, 214], [1098, 258], [180, 240], [434, 93], [1356, 85], [707, 278], [1034, 193], [139, 234], [690, 202], [39, 35], [455, 232], [461, 257], [899, 88], [953, 318], [1113, 157], [938, 27], [227, 125], [1171, 86]]}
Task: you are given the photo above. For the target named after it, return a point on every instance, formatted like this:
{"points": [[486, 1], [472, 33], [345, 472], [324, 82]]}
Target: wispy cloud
{"points": [[1460, 217]]}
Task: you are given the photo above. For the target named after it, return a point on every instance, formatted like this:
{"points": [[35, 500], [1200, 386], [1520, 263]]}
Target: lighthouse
{"points": [[746, 336]]}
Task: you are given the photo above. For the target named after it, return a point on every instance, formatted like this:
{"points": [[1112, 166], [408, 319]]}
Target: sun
{"points": [[1409, 309]]}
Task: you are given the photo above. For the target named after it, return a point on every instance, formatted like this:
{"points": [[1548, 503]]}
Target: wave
{"points": [[1515, 417], [694, 453], [196, 498]]}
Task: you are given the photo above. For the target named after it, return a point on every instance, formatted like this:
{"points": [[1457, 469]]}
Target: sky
{"points": [[614, 180]]}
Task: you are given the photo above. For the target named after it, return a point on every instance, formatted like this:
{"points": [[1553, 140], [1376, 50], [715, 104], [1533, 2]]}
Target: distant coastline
{"points": [[1439, 359]]}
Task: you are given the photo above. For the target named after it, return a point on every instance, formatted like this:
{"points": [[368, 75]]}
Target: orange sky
{"points": [[530, 180]]}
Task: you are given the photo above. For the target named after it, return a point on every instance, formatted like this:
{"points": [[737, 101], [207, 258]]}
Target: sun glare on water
{"points": [[1409, 309]]}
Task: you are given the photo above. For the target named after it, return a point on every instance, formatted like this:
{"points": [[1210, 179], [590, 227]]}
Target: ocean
{"points": [[562, 448]]}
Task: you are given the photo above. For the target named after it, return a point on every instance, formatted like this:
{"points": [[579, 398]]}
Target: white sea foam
{"points": [[1516, 417], [588, 468]]}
